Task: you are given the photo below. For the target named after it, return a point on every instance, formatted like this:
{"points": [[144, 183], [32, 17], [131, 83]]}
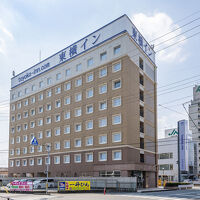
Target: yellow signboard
{"points": [[73, 185]]}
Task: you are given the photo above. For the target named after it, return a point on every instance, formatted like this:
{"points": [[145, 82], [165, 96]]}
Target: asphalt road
{"points": [[166, 195]]}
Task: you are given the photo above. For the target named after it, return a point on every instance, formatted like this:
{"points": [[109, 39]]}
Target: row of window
{"points": [[116, 101], [102, 122], [89, 77], [89, 141], [102, 156], [116, 84]]}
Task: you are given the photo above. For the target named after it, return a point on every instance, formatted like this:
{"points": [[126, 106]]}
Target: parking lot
{"points": [[167, 195]]}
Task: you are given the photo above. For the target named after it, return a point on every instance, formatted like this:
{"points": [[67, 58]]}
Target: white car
{"points": [[41, 184], [187, 181]]}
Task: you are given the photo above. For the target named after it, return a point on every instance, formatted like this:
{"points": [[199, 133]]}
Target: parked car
{"points": [[187, 181], [9, 184], [41, 184]]}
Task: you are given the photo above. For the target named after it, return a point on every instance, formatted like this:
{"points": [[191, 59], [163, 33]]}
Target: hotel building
{"points": [[93, 104]]}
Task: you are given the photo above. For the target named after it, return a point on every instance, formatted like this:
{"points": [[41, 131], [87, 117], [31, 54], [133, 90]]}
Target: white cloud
{"points": [[157, 25]]}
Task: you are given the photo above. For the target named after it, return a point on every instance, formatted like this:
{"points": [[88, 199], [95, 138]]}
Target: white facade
{"points": [[168, 155], [168, 147], [194, 112]]}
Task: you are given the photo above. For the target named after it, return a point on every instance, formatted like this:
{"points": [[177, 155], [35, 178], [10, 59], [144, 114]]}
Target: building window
{"points": [[19, 105], [141, 79], [141, 111], [78, 67], [102, 105], [40, 135], [26, 90], [58, 103], [56, 160], [40, 97], [25, 126], [77, 112], [26, 102], [13, 118], [67, 100], [57, 118], [57, 131], [103, 56], [12, 152], [40, 109], [47, 161], [67, 115], [39, 161], [18, 116], [116, 84], [89, 77], [89, 157], [17, 163], [11, 163], [24, 162], [116, 137], [18, 139], [66, 159], [89, 109], [13, 107], [18, 128], [117, 50], [41, 84], [103, 122], [78, 82], [103, 156], [141, 127], [77, 158], [31, 162], [49, 93], [57, 145], [103, 139], [58, 90], [25, 138], [48, 120], [89, 125], [116, 101], [58, 76], [117, 155], [39, 148], [90, 62], [31, 149], [24, 150], [33, 88], [68, 72], [12, 130], [89, 141], [32, 99], [116, 119], [67, 129], [142, 158], [78, 97], [89, 93], [77, 127], [40, 122], [25, 114], [116, 67], [48, 133], [32, 125], [102, 72], [48, 107], [12, 141], [67, 144], [49, 81], [77, 142], [141, 63], [142, 95], [67, 86], [103, 88], [32, 112]]}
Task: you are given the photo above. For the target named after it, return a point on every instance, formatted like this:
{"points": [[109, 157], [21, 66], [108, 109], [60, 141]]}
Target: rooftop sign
{"points": [[121, 25]]}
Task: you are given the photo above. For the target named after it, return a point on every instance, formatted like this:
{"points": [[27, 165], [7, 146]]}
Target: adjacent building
{"points": [[194, 122], [168, 154], [93, 103]]}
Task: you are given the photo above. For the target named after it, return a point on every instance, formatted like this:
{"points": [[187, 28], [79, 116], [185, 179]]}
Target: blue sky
{"points": [[28, 26]]}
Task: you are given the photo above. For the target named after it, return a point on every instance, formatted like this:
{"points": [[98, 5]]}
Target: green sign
{"points": [[174, 132], [198, 89]]}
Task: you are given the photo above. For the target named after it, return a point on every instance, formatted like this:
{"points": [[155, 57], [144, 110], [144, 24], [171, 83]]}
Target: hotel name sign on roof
{"points": [[119, 26]]}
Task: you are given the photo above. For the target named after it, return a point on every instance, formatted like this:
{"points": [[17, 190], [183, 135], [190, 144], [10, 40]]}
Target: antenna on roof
{"points": [[13, 73]]}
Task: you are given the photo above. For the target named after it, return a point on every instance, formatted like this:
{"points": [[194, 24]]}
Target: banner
{"points": [[21, 186], [73, 185]]}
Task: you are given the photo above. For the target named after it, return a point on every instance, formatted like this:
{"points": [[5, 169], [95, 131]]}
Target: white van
{"points": [[41, 183]]}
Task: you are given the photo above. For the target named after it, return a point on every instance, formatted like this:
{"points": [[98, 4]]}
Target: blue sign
{"points": [[34, 142]]}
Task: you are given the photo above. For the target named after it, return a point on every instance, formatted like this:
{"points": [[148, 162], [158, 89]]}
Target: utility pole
{"points": [[179, 174]]}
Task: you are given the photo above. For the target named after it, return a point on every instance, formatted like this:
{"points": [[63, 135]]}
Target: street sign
{"points": [[34, 142]]}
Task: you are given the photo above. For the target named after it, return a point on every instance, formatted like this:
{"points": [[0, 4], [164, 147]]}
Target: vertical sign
{"points": [[182, 144]]}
